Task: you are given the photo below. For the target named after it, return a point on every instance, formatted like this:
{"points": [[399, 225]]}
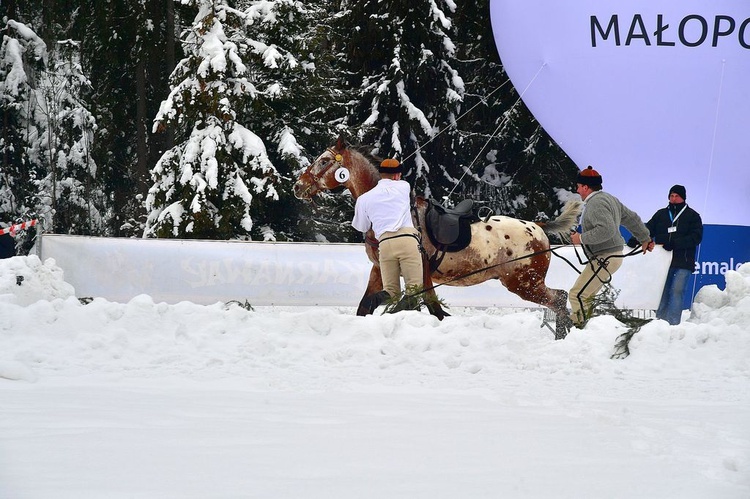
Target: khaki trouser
{"points": [[578, 316], [400, 256]]}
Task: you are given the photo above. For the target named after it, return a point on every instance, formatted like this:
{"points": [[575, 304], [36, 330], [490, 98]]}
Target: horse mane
{"points": [[364, 151]]}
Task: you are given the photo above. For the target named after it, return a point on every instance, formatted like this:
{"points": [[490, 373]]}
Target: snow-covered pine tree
{"points": [[77, 200], [128, 49], [402, 62], [23, 55], [300, 108], [48, 170], [218, 178], [296, 104]]}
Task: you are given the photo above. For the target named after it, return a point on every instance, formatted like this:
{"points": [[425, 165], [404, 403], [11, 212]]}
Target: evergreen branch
{"points": [[413, 298], [604, 304]]}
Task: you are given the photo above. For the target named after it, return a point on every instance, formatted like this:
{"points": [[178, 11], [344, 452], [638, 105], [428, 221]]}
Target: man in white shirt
{"points": [[386, 209]]}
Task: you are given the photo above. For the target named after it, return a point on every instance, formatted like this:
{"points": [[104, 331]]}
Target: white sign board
{"points": [[288, 274]]}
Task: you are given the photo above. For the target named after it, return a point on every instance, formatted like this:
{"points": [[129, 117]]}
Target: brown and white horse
{"points": [[514, 251]]}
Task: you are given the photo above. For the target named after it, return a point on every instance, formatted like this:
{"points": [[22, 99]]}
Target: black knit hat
{"points": [[679, 190], [390, 165], [589, 177]]}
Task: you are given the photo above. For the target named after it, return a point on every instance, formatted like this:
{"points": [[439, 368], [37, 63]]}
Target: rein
{"points": [[473, 272], [371, 241], [602, 264], [551, 249]]}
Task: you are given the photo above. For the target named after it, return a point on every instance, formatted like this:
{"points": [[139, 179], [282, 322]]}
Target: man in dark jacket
{"points": [[7, 246], [679, 229]]}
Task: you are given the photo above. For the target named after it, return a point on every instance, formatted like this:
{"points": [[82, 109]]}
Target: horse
{"points": [[516, 252]]}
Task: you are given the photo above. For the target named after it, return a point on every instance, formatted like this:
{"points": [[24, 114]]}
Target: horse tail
{"points": [[563, 224]]}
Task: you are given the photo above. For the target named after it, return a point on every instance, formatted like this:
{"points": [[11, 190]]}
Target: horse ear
{"points": [[341, 142]]}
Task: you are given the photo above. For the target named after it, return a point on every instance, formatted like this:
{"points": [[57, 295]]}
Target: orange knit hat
{"points": [[589, 177]]}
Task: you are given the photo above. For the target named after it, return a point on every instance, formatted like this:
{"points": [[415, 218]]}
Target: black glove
{"points": [[633, 243], [668, 246]]}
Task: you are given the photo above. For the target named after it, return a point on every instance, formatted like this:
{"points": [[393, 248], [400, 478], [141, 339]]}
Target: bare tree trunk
{"points": [[6, 149], [11, 9], [48, 21]]}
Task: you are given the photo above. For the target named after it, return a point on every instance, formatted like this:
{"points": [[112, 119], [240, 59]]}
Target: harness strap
{"points": [[436, 260], [415, 236]]}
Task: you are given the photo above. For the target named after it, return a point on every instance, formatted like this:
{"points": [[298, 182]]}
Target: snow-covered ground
{"points": [[149, 400]]}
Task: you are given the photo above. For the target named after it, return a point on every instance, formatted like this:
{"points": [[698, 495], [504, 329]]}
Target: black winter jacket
{"points": [[685, 240], [7, 246]]}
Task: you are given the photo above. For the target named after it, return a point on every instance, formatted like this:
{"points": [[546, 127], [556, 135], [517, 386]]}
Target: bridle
{"points": [[337, 161]]}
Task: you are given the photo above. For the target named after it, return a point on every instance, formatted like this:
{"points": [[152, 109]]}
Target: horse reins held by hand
{"points": [[530, 255]]}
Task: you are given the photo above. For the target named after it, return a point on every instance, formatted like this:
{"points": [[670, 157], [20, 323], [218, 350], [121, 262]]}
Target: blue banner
{"points": [[724, 247]]}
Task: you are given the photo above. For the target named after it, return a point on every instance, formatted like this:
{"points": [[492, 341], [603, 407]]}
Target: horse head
{"points": [[339, 166]]}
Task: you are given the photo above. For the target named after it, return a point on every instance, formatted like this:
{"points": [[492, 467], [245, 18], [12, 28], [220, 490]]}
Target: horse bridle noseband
{"points": [[338, 161]]}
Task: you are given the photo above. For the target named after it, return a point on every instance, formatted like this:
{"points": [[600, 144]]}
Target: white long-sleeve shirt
{"points": [[385, 208]]}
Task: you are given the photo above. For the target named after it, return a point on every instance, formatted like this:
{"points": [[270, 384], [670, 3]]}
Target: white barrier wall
{"points": [[282, 274]]}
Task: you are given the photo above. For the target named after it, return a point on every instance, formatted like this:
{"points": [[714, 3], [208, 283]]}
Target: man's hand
{"points": [[647, 246], [575, 238]]}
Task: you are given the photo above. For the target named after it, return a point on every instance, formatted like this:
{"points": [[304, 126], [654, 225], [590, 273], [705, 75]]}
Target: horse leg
{"points": [[431, 299], [530, 286], [374, 294], [563, 322], [556, 300]]}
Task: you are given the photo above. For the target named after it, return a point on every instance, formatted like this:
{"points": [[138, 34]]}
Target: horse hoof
{"points": [[562, 326], [369, 303]]}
